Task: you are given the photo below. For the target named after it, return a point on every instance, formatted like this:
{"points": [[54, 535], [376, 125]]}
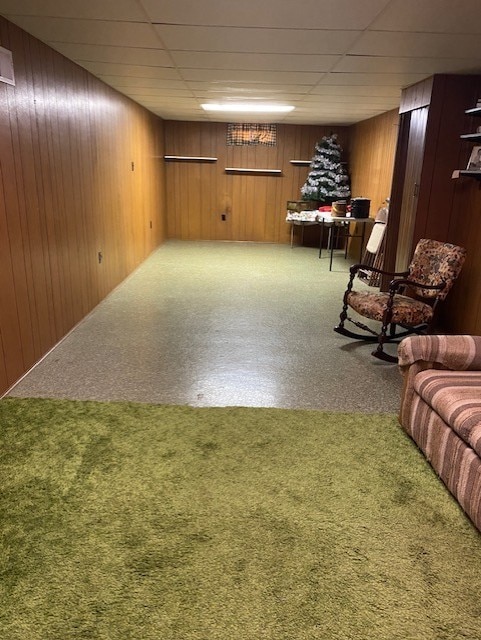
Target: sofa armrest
{"points": [[458, 353], [417, 353]]}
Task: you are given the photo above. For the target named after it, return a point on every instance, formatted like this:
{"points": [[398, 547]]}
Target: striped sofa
{"points": [[441, 410]]}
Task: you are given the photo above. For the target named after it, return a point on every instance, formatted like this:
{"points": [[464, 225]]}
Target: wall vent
{"points": [[6, 66]]}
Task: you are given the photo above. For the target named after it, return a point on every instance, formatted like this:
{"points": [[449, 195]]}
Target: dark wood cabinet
{"points": [[426, 202], [471, 172]]}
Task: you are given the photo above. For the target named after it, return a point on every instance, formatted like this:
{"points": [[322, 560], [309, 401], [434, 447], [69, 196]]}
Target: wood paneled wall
{"points": [[255, 205], [372, 150], [78, 176]]}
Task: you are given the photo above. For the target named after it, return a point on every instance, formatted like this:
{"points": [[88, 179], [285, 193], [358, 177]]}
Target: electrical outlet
{"points": [[100, 257], [132, 165], [223, 217], [151, 224]]}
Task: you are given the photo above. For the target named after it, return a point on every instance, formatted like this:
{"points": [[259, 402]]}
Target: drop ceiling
{"points": [[336, 61]]}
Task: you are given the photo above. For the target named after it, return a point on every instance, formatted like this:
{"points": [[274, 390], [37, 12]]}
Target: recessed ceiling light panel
{"points": [[247, 107]]}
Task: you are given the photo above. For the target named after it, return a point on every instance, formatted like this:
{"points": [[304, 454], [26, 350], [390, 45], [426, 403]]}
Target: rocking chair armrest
{"points": [[395, 284], [356, 267]]}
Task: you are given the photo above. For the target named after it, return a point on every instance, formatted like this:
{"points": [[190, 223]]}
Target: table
{"points": [[336, 224], [299, 220]]}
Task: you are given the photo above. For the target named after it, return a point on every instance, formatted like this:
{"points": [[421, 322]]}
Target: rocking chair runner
{"points": [[412, 297]]}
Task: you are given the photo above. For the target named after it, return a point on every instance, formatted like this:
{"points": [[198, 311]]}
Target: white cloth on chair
{"points": [[375, 237]]}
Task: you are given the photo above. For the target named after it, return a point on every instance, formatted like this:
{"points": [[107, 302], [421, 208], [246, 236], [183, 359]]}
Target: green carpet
{"points": [[140, 522]]}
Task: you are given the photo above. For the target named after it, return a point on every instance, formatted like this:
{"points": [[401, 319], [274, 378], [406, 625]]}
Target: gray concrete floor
{"points": [[221, 324]]}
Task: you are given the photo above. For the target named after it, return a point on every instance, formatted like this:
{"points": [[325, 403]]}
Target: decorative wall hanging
{"points": [[243, 133]]}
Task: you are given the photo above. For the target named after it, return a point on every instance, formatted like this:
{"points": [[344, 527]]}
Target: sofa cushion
{"points": [[456, 397]]}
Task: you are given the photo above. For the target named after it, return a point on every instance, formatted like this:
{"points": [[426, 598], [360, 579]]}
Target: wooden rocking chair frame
{"points": [[388, 332]]}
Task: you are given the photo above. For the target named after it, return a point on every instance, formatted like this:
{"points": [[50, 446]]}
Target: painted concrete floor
{"points": [[221, 324]]}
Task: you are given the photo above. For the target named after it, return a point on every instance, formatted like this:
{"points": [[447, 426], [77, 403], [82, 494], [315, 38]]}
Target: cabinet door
{"points": [[414, 162]]}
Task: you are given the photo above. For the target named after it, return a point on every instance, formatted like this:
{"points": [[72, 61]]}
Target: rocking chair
{"points": [[411, 300]]}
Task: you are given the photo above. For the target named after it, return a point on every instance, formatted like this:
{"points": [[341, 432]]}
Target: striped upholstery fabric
{"points": [[456, 398], [441, 410], [458, 466], [417, 353], [452, 352]]}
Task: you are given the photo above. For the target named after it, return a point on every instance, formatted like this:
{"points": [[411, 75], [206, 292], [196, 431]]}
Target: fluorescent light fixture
{"points": [[248, 107]]}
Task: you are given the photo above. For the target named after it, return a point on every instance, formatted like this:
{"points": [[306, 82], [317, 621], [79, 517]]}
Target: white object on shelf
{"points": [[190, 159], [246, 170]]}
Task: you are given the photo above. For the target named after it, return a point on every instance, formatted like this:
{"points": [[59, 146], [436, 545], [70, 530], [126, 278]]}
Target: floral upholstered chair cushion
{"points": [[405, 310], [434, 263], [409, 305]]}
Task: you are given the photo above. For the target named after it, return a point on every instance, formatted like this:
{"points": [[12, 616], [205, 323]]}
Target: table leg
{"points": [[334, 238], [362, 239], [321, 237]]}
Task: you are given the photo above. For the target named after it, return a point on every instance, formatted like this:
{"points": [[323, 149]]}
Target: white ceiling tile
{"points": [[323, 108], [251, 40], [314, 119], [442, 16], [168, 88], [344, 101], [381, 64], [126, 81], [356, 90], [241, 117], [254, 61], [336, 121], [339, 61], [417, 45], [333, 109], [304, 14], [292, 98], [124, 55], [388, 79], [173, 103], [246, 88], [127, 34], [137, 93], [187, 118], [275, 77], [125, 10], [109, 69], [178, 114]]}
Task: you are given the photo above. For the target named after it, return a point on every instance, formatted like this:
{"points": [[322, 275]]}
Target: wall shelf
{"points": [[476, 111], [301, 163], [189, 159], [471, 174], [274, 172], [471, 136]]}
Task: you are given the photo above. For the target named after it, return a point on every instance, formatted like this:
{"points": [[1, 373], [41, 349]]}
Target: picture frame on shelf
{"points": [[474, 162]]}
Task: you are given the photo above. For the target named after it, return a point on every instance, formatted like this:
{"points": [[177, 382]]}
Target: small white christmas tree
{"points": [[327, 180]]}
